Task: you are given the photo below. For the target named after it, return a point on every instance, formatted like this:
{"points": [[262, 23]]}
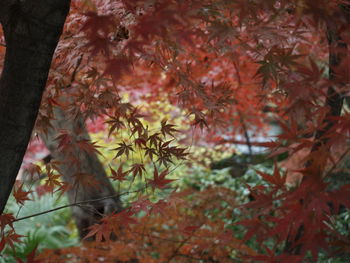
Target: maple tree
{"points": [[231, 66]]}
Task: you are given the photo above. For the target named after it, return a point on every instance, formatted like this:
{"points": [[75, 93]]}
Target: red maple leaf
{"points": [[118, 175], [126, 218], [116, 67], [6, 220], [154, 139], [64, 140], [123, 148], [168, 128], [159, 207], [11, 238], [115, 124], [276, 179], [88, 146], [102, 232], [137, 169], [142, 204], [99, 24], [159, 180], [21, 195]]}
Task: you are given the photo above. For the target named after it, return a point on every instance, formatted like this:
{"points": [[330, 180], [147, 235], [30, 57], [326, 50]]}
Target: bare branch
{"points": [[78, 204]]}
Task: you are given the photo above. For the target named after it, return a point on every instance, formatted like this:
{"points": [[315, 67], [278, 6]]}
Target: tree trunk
{"points": [[32, 29], [86, 164]]}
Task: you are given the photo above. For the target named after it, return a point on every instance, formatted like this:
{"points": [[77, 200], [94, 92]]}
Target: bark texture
{"points": [[32, 29], [86, 164]]}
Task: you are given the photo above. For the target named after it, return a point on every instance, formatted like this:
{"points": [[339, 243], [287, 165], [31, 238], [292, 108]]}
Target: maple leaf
{"points": [[96, 23], [290, 132], [142, 204], [276, 179], [102, 232], [150, 152], [99, 44], [119, 175], [221, 31], [64, 139], [11, 238], [63, 188], [253, 225], [6, 220], [341, 197], [164, 146], [261, 199], [179, 153], [88, 146], [286, 58], [140, 142], [135, 122], [126, 218], [123, 148], [115, 124], [159, 180], [53, 180], [176, 200], [43, 189], [199, 119], [159, 207], [154, 139], [168, 128], [122, 109], [137, 169], [21, 195], [116, 67], [33, 170], [86, 179], [267, 70], [314, 73], [164, 159]]}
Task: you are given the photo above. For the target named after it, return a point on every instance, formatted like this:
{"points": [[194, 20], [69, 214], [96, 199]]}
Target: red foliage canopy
{"points": [[231, 66]]}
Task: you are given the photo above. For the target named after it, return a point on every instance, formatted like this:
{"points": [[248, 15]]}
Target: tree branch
{"points": [[78, 204]]}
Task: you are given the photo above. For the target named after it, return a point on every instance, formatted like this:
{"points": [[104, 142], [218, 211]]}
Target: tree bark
{"points": [[85, 163], [32, 29]]}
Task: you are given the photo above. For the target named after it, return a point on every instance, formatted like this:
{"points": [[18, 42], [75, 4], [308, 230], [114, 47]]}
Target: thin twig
{"points": [[77, 204], [241, 118], [245, 131]]}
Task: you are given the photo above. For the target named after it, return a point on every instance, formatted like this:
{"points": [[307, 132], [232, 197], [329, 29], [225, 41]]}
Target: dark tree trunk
{"points": [[32, 29], [85, 164]]}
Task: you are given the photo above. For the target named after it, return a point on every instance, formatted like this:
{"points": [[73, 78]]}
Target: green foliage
{"points": [[50, 230]]}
